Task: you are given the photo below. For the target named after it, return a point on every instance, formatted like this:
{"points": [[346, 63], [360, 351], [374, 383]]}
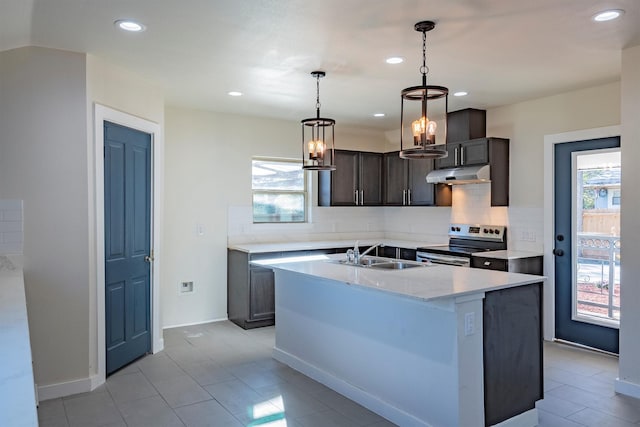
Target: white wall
{"points": [[630, 224], [121, 90], [46, 159], [11, 227], [526, 124], [208, 185], [43, 160]]}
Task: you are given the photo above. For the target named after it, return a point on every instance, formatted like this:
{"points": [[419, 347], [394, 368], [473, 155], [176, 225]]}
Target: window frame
{"points": [[304, 192]]}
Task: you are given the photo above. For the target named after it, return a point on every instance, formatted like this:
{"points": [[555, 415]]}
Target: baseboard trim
{"points": [[358, 395], [627, 388], [53, 391], [221, 319]]}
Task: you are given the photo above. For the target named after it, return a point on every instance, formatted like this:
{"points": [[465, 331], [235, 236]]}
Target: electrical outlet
{"points": [[185, 287], [469, 323]]}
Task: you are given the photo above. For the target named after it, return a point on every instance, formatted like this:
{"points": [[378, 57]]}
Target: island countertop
{"points": [[426, 283]]}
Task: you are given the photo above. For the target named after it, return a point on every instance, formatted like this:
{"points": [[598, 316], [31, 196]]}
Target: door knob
{"points": [[558, 252], [148, 258]]}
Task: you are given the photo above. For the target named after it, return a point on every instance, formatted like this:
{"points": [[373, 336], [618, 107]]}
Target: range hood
{"points": [[460, 175]]}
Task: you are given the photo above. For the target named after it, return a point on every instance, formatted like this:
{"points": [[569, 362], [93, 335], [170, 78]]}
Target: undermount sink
{"points": [[382, 263], [396, 265]]}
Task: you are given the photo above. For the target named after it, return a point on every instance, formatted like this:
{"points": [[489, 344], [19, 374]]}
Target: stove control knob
{"points": [[453, 229], [457, 228], [491, 231], [485, 231], [497, 231]]}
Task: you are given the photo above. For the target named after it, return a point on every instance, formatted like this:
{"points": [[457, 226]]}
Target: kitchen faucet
{"points": [[359, 255]]}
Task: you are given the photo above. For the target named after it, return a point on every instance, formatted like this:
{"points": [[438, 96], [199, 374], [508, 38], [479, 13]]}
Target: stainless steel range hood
{"points": [[460, 175]]}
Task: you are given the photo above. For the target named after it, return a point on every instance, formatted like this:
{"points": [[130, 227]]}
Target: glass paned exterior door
{"points": [[596, 236]]}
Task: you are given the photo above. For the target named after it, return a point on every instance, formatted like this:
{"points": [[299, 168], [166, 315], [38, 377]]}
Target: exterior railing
{"points": [[599, 255]]}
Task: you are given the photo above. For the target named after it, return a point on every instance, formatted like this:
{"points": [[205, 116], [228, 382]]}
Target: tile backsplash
{"points": [[11, 227], [471, 204]]}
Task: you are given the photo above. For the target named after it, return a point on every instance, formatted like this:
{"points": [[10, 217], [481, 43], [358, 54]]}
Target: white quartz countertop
{"points": [[324, 244], [17, 396], [508, 254], [425, 283]]}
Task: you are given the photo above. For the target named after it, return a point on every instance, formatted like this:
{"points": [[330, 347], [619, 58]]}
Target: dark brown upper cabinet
{"points": [[357, 180], [405, 181], [482, 151]]}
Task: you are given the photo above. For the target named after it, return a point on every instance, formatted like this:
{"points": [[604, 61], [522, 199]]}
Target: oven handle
{"points": [[443, 259]]}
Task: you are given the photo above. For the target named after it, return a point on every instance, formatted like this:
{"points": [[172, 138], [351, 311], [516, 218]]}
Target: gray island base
{"points": [[431, 346]]}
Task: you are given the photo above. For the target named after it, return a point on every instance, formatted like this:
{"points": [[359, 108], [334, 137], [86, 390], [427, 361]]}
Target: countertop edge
{"points": [[434, 283]]}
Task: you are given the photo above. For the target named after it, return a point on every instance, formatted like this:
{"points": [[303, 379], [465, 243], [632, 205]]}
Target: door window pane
{"points": [[596, 278]]}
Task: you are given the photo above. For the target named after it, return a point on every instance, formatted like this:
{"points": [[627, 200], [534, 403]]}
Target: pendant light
{"points": [[318, 143], [423, 145]]}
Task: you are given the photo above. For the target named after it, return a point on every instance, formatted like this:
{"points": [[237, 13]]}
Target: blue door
{"points": [[127, 213], [587, 242]]}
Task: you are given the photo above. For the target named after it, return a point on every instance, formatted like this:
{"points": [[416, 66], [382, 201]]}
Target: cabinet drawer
{"points": [[490, 263]]}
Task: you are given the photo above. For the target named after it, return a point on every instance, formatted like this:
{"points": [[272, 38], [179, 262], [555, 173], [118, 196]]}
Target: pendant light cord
{"points": [[424, 69], [318, 96]]}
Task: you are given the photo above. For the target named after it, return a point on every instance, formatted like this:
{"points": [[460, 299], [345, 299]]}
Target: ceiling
{"points": [[499, 51]]}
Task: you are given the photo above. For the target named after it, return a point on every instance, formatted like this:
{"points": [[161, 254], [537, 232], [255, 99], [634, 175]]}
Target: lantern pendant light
{"points": [[318, 137], [423, 144]]}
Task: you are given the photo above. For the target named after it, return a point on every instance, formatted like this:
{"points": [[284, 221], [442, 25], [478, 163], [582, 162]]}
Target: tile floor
{"points": [[221, 375]]}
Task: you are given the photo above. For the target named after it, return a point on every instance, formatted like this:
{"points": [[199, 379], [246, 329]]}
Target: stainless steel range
{"points": [[464, 240]]}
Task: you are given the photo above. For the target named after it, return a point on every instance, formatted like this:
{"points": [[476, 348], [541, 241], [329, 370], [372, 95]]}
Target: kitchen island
{"points": [[425, 346]]}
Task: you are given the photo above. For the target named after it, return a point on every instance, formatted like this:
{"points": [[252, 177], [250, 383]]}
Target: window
{"points": [[615, 199], [279, 190]]}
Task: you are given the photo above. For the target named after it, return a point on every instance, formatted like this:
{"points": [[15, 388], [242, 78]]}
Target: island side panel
{"points": [[396, 355], [513, 362]]}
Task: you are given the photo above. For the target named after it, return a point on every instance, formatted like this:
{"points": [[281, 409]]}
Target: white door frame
{"points": [[102, 114], [549, 324]]}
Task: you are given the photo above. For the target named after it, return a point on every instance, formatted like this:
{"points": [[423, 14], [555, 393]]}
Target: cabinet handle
{"points": [[361, 198], [462, 156], [404, 197], [455, 157], [355, 197], [409, 197]]}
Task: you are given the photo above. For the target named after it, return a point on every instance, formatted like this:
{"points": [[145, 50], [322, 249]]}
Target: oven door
{"points": [[443, 259]]}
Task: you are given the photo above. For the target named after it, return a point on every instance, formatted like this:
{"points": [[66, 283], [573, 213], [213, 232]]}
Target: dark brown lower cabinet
{"points": [[261, 294], [513, 372], [250, 292], [526, 265], [251, 288]]}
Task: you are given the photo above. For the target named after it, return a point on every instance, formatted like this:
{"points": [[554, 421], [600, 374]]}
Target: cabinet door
{"points": [[474, 152], [344, 179], [408, 254], [370, 179], [261, 294], [452, 158], [395, 179], [420, 193], [388, 251]]}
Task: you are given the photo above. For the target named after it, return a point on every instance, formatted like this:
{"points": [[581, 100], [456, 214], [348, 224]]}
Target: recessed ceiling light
{"points": [[235, 93], [378, 115], [394, 60], [460, 93], [608, 15], [129, 25]]}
